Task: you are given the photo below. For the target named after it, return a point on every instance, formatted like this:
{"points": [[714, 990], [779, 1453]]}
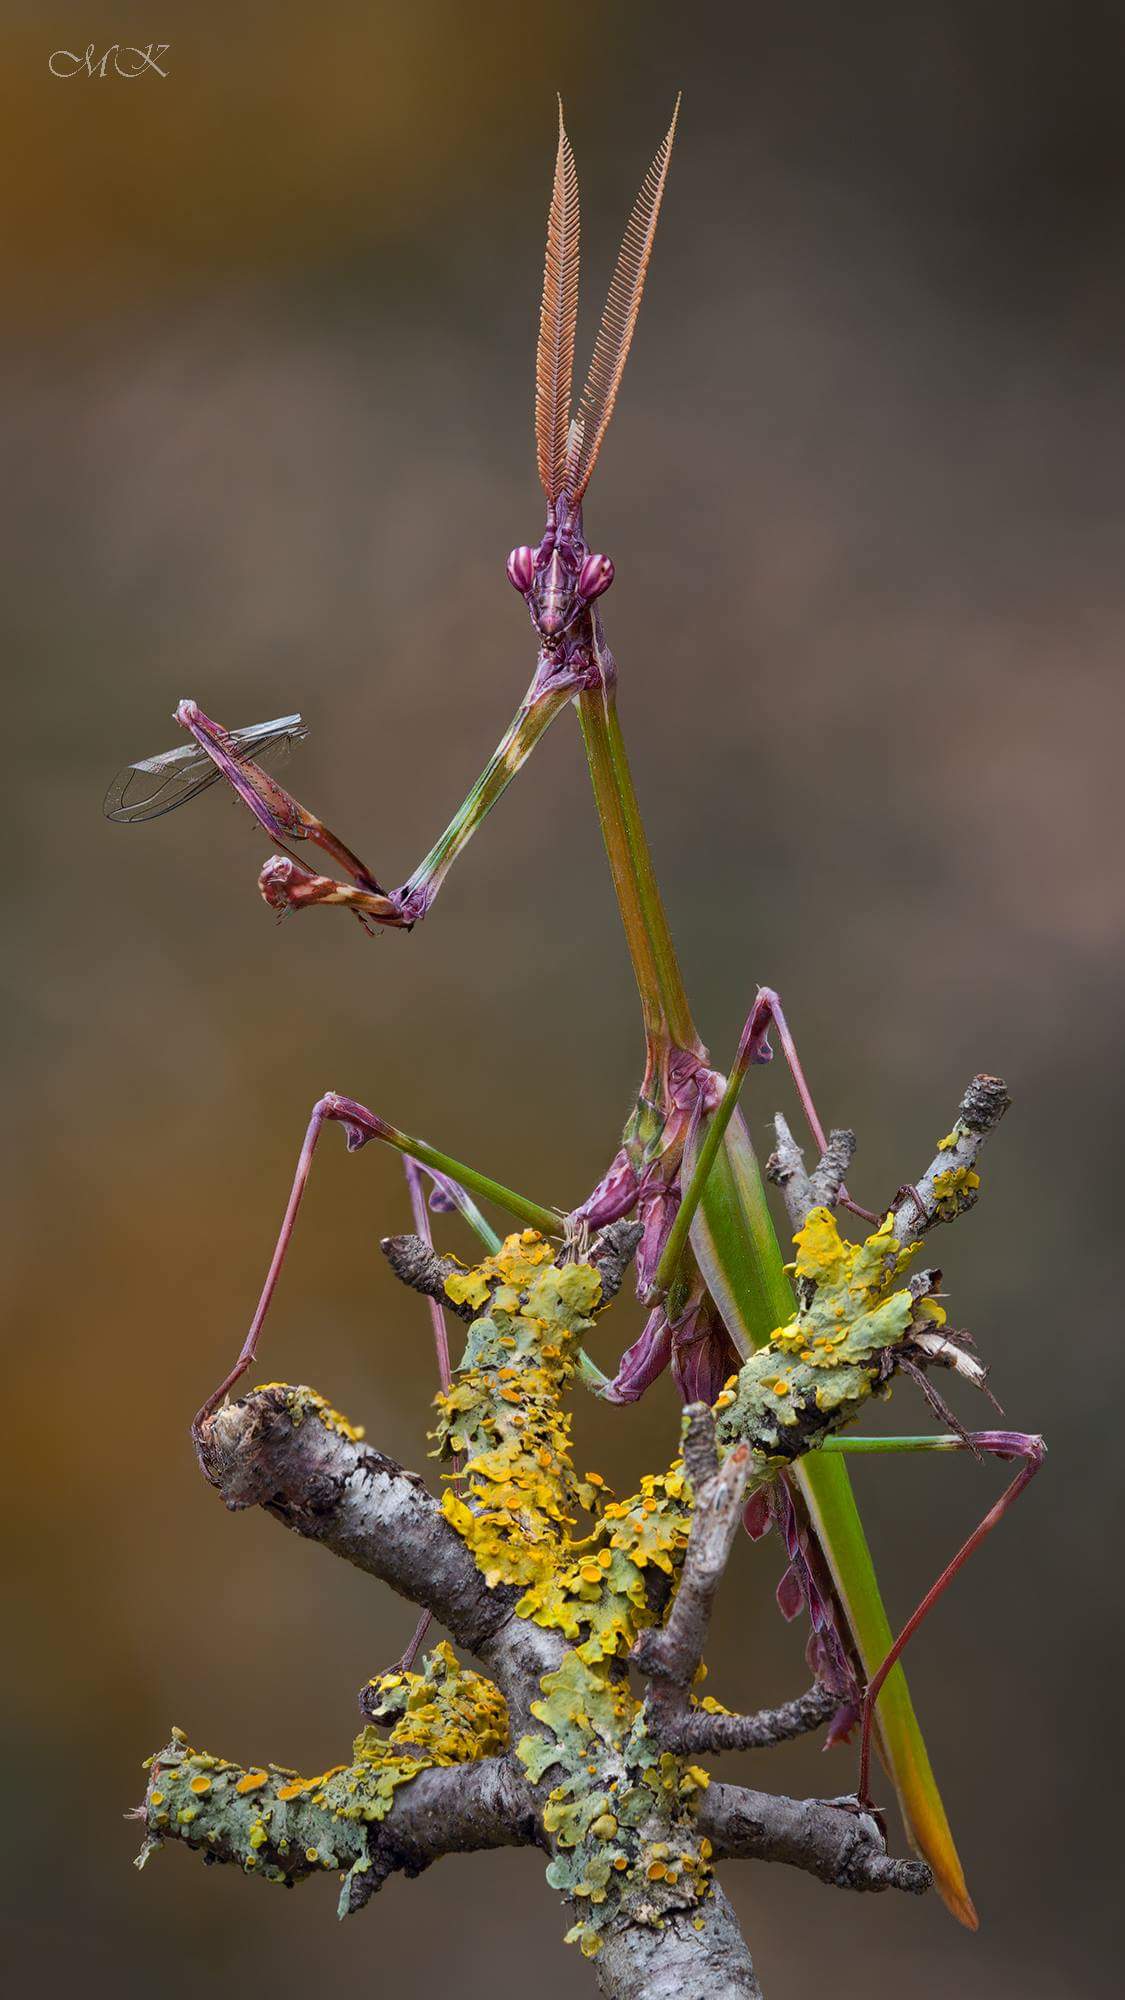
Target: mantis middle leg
{"points": [[361, 1125]]}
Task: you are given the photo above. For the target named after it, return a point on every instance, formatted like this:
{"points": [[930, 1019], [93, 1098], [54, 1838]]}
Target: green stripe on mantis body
{"points": [[663, 1002], [738, 1253], [736, 1248]]}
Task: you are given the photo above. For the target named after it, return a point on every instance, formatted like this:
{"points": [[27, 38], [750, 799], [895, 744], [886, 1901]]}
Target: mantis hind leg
{"points": [[998, 1444]]}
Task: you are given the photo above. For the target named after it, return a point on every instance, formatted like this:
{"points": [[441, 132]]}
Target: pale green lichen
{"points": [[816, 1371], [282, 1826], [613, 1791], [620, 1811]]}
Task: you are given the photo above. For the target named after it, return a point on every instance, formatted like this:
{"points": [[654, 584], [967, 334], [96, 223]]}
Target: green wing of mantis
{"points": [[736, 1248]]}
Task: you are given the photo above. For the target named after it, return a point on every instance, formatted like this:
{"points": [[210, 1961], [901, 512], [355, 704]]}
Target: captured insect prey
{"points": [[153, 786]]}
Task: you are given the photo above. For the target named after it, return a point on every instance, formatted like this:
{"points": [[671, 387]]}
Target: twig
{"points": [[670, 1656], [283, 1449], [697, 1731], [835, 1843], [269, 1825], [924, 1203], [418, 1265], [804, 1191], [944, 1191]]}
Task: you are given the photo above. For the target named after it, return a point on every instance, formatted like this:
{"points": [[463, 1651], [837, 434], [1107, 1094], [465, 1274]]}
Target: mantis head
{"points": [[560, 578]]}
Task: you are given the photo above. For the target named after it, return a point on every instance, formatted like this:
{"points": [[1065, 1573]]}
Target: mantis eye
{"points": [[521, 569], [596, 575]]}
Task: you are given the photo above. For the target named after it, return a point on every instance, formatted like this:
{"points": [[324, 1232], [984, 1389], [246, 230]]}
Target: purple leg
{"points": [[360, 1125], [322, 1111], [1001, 1444], [403, 1665], [421, 1213], [753, 1047]]}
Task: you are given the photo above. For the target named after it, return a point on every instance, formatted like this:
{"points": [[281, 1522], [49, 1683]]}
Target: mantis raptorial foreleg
{"points": [[287, 884], [998, 1444], [361, 1125]]}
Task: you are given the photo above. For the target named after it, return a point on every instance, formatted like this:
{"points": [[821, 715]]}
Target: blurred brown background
{"points": [[267, 347]]}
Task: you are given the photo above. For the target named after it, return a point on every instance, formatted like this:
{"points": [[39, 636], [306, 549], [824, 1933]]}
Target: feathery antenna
{"points": [[615, 334], [554, 360]]}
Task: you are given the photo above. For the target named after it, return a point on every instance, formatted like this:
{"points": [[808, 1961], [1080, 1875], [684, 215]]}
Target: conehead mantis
{"points": [[709, 1264]]}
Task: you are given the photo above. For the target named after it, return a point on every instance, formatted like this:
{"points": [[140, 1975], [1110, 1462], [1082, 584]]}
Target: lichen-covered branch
{"points": [[364, 1821], [949, 1187], [671, 1656], [425, 1270], [801, 1190], [685, 1958], [418, 1265], [830, 1840], [551, 1746], [286, 1449]]}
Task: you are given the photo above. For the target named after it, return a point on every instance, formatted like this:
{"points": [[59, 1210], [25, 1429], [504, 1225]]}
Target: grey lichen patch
{"points": [[262, 1818]]}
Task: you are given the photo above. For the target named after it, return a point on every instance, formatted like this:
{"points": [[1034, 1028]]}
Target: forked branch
{"points": [[286, 1450], [671, 1656]]}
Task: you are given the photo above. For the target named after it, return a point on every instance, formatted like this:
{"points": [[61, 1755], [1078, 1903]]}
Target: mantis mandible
{"points": [[709, 1265]]}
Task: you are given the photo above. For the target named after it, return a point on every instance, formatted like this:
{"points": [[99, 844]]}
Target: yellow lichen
{"points": [[517, 1510], [304, 1402], [953, 1188], [848, 1315], [518, 1505]]}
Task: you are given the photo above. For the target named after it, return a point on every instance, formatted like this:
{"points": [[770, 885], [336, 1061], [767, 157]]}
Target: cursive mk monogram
{"points": [[127, 62]]}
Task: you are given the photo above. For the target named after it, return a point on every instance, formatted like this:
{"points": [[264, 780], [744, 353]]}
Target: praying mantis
{"points": [[709, 1264]]}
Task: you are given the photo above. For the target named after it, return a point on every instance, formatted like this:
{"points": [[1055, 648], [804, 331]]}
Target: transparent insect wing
{"points": [[153, 786]]}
